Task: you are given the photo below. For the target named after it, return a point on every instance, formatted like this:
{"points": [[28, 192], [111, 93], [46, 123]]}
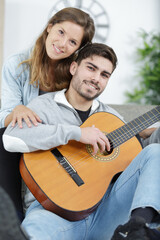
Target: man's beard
{"points": [[87, 96]]}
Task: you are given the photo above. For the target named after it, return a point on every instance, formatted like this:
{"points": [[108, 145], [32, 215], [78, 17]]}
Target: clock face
{"points": [[94, 9]]}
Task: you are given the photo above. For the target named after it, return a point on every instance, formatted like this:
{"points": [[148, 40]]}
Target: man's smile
{"points": [[91, 85]]}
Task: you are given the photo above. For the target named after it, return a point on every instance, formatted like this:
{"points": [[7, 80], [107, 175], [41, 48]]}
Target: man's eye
{"points": [[91, 68], [105, 76], [60, 31]]}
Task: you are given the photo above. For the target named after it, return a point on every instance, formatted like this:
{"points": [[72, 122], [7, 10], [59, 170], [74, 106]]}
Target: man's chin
{"points": [[90, 97]]}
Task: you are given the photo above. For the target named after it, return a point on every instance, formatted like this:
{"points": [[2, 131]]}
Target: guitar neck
{"points": [[129, 130]]}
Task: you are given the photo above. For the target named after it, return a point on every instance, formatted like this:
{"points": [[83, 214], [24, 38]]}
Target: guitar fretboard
{"points": [[129, 130]]}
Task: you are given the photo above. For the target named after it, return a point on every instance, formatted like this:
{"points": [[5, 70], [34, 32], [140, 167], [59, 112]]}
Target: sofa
{"points": [[131, 111]]}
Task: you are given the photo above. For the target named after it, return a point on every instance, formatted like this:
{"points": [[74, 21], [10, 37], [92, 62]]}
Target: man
{"points": [[133, 199]]}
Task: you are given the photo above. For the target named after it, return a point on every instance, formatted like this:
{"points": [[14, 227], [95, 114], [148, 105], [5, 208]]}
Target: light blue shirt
{"points": [[16, 88]]}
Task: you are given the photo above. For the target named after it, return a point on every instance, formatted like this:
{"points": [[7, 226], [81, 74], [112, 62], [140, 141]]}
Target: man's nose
{"points": [[96, 77]]}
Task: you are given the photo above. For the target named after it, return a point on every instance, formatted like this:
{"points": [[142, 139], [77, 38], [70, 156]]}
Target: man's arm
{"points": [[51, 132], [44, 137], [41, 137], [147, 132], [57, 128]]}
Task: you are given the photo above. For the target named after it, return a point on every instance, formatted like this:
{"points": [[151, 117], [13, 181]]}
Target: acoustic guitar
{"points": [[69, 180]]}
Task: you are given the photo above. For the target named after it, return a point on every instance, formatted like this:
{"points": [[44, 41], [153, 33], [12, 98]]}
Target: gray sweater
{"points": [[60, 123]]}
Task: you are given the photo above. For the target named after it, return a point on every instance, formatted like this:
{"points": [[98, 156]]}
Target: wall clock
{"points": [[96, 11]]}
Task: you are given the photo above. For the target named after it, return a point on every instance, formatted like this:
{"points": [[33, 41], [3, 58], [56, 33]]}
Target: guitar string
{"points": [[119, 137], [79, 162], [125, 134], [112, 144], [134, 127]]}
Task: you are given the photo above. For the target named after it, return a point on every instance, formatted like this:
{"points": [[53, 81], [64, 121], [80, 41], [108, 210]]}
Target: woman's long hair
{"points": [[39, 61]]}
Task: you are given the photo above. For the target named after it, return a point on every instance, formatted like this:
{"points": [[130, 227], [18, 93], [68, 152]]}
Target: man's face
{"points": [[91, 76]]}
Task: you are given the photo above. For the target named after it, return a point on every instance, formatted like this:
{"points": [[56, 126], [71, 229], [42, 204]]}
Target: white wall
{"points": [[24, 20]]}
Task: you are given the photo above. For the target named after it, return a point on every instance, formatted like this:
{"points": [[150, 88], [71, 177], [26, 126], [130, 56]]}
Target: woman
{"points": [[44, 68]]}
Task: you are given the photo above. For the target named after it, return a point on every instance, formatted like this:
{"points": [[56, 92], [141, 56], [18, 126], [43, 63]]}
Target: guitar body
{"points": [[54, 188]]}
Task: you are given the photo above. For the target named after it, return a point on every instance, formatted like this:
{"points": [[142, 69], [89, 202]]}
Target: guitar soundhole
{"points": [[105, 156], [106, 152]]}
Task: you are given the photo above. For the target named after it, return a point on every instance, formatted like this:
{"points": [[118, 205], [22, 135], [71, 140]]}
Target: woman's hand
{"points": [[22, 112], [93, 136]]}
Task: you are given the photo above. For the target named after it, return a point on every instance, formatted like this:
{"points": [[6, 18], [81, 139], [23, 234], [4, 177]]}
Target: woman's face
{"points": [[63, 39]]}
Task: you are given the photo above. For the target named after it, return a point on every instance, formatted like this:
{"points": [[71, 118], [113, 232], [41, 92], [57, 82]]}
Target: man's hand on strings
{"points": [[96, 138]]}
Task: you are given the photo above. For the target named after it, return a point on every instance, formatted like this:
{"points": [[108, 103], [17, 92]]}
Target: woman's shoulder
{"points": [[18, 57], [12, 63]]}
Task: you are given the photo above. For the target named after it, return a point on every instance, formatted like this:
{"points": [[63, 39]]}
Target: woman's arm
{"points": [[21, 113], [16, 92], [12, 88]]}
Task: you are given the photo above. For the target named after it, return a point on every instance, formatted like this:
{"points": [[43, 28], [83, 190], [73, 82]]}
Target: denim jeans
{"points": [[137, 186]]}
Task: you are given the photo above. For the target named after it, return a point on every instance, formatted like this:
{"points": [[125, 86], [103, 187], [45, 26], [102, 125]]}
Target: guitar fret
{"points": [[113, 135], [139, 122], [128, 127], [131, 126], [129, 130], [118, 134]]}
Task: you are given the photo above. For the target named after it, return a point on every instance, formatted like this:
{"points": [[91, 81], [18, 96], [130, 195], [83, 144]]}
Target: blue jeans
{"points": [[137, 186]]}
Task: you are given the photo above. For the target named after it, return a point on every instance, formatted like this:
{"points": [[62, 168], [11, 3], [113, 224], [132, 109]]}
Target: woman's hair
{"points": [[39, 61], [97, 49]]}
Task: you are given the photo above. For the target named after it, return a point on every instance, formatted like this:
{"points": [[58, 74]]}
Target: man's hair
{"points": [[97, 49]]}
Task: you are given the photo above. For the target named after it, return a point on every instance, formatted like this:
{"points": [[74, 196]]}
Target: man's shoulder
{"points": [[106, 108]]}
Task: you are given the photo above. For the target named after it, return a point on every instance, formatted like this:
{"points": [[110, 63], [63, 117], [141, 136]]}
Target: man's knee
{"points": [[153, 150]]}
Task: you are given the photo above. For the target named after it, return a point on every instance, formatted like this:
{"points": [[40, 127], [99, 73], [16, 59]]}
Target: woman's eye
{"points": [[73, 42]]}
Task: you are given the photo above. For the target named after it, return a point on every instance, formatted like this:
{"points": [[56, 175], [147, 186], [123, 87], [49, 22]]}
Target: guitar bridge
{"points": [[67, 166]]}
